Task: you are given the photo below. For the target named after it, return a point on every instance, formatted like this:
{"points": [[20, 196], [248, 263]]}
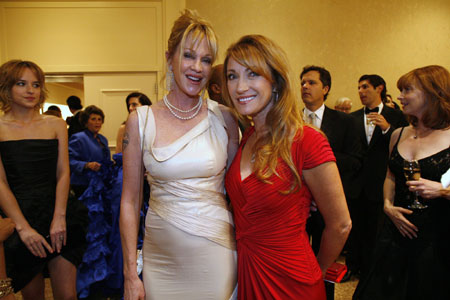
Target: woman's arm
{"points": [[232, 131], [58, 234], [130, 207], [326, 188], [396, 213]]}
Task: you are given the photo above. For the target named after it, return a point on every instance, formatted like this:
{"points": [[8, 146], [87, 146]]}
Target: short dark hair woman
{"points": [[133, 101], [87, 149]]}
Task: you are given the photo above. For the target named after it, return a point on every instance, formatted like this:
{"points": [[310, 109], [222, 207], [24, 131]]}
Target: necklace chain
{"points": [[416, 133], [180, 110], [171, 108]]}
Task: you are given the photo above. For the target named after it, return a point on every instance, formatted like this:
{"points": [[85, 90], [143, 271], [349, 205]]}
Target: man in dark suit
{"points": [[375, 124], [339, 129], [74, 123]]}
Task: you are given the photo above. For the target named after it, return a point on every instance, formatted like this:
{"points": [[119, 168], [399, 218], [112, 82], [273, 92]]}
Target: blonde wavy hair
{"points": [[10, 73], [284, 120], [190, 24]]}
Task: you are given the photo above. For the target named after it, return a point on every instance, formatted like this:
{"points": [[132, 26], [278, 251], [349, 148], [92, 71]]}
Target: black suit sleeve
{"points": [[349, 157]]}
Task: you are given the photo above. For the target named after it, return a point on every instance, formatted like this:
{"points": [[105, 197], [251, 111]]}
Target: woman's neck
{"points": [[260, 128], [421, 130], [182, 101], [22, 115]]}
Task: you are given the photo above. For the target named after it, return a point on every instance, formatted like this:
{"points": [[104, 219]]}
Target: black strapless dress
{"points": [[404, 269], [30, 167]]}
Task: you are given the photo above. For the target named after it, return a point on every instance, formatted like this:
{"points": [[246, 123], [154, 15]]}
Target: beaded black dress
{"points": [[30, 167], [402, 268]]}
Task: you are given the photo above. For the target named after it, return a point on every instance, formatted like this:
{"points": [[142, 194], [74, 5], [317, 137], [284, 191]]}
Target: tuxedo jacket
{"points": [[339, 128], [74, 124], [376, 154]]}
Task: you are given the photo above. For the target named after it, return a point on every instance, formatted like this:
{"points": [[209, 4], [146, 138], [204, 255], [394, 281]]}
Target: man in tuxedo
{"points": [[74, 123], [339, 129], [375, 124]]}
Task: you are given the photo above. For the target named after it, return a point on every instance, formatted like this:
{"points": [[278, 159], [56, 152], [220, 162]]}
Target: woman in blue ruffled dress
{"points": [[90, 164]]}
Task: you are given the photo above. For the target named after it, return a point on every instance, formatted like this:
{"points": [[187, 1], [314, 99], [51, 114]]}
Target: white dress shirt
{"points": [[319, 115], [370, 128]]}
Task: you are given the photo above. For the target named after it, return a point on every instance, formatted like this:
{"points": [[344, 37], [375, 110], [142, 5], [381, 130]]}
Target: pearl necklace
{"points": [[171, 108]]}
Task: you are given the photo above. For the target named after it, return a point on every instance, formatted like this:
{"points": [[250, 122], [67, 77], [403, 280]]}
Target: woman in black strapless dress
{"points": [[412, 256], [34, 184]]}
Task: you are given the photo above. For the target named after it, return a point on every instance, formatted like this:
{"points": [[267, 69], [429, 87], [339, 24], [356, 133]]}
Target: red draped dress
{"points": [[275, 259]]}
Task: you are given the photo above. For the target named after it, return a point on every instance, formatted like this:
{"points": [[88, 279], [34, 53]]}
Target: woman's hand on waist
{"points": [[396, 214]]}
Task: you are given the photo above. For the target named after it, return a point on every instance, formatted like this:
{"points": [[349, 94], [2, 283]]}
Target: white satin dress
{"points": [[189, 245]]}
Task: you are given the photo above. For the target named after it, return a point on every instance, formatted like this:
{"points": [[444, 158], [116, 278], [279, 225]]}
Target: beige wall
{"points": [[84, 36], [88, 36], [349, 38], [122, 42], [59, 92]]}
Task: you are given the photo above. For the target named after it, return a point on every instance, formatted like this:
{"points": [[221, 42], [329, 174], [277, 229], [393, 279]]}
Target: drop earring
{"points": [[169, 78], [275, 92]]}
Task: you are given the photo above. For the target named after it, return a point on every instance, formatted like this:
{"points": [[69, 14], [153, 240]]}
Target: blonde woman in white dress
{"points": [[185, 142]]}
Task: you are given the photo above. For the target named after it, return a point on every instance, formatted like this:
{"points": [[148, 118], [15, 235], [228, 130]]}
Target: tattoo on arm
{"points": [[125, 141]]}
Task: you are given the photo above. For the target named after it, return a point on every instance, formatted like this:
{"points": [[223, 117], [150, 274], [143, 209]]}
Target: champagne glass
{"points": [[412, 172], [369, 120]]}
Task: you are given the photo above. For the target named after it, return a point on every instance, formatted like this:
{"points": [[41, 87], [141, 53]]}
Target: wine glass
{"points": [[369, 121], [412, 172]]}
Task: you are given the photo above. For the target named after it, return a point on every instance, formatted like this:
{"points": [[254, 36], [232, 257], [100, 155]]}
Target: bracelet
{"points": [[5, 287]]}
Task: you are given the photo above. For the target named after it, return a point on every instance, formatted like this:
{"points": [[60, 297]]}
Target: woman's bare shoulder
{"points": [[53, 121]]}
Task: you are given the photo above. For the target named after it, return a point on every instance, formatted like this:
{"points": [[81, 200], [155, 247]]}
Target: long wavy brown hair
{"points": [[434, 82], [284, 120]]}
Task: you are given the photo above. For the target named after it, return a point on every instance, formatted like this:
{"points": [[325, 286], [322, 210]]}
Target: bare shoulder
{"points": [[228, 115], [158, 107], [132, 121], [3, 127], [395, 134], [54, 121], [442, 138]]}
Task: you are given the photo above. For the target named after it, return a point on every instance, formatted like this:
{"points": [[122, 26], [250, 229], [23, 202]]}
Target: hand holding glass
{"points": [[412, 172]]}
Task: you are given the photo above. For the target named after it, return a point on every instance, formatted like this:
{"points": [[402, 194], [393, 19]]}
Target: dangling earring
{"points": [[169, 78], [276, 94]]}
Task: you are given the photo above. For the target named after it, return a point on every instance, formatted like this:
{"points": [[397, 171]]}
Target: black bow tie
{"points": [[368, 110]]}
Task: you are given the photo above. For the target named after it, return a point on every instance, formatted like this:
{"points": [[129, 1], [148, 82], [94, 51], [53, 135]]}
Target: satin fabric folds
{"points": [[189, 244]]}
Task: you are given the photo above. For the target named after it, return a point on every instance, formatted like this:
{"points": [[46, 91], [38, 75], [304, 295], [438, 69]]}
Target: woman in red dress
{"points": [[280, 168]]}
